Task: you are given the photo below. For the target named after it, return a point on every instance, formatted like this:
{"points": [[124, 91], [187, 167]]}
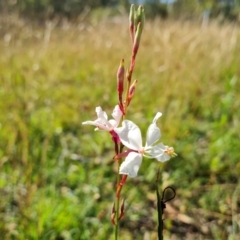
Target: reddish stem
{"points": [[119, 188]]}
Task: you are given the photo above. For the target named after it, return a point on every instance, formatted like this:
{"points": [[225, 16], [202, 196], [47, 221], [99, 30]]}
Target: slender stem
{"points": [[159, 209], [160, 222], [117, 207]]}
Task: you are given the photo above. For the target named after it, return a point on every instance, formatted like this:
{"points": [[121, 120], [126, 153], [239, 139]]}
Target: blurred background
{"points": [[58, 61], [72, 9]]}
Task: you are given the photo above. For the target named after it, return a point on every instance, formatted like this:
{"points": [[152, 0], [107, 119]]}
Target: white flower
{"points": [[102, 122], [130, 136]]}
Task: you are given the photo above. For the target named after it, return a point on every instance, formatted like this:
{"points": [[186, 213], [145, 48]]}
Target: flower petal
{"points": [[130, 135], [89, 123], [98, 124], [131, 164], [101, 114], [159, 152], [158, 115], [153, 133], [117, 115], [101, 122], [113, 123]]}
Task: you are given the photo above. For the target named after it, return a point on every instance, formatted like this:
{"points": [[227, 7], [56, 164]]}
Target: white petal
{"points": [[153, 133], [131, 164], [163, 158], [158, 152], [113, 123], [103, 125], [117, 115], [88, 123], [158, 115], [130, 135], [101, 122], [101, 114], [98, 124]]}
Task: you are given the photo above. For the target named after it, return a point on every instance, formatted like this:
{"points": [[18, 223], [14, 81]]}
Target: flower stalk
{"points": [[129, 135], [136, 23]]}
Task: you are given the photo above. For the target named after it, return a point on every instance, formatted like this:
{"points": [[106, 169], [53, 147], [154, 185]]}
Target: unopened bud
{"points": [[139, 17], [137, 39], [131, 91], [122, 210], [120, 77], [131, 22], [120, 84]]}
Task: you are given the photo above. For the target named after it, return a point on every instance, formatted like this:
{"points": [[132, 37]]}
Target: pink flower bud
{"points": [[120, 83], [120, 77], [131, 91]]}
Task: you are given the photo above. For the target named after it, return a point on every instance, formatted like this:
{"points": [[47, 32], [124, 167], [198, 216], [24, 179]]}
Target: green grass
{"points": [[57, 177]]}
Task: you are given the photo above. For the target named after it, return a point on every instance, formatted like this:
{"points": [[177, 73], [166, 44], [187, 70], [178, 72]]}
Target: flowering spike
{"points": [[131, 22], [113, 214], [131, 91], [122, 210]]}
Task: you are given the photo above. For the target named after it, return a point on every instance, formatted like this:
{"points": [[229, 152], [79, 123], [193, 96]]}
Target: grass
{"points": [[57, 177]]}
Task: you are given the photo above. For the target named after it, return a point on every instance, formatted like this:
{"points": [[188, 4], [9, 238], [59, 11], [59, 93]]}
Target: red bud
{"points": [[120, 77]]}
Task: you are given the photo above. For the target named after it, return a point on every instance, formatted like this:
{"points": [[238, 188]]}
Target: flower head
{"points": [[130, 136], [102, 122]]}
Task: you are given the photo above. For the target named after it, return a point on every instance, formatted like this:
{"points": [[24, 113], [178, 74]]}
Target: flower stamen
{"points": [[170, 152], [141, 151]]}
